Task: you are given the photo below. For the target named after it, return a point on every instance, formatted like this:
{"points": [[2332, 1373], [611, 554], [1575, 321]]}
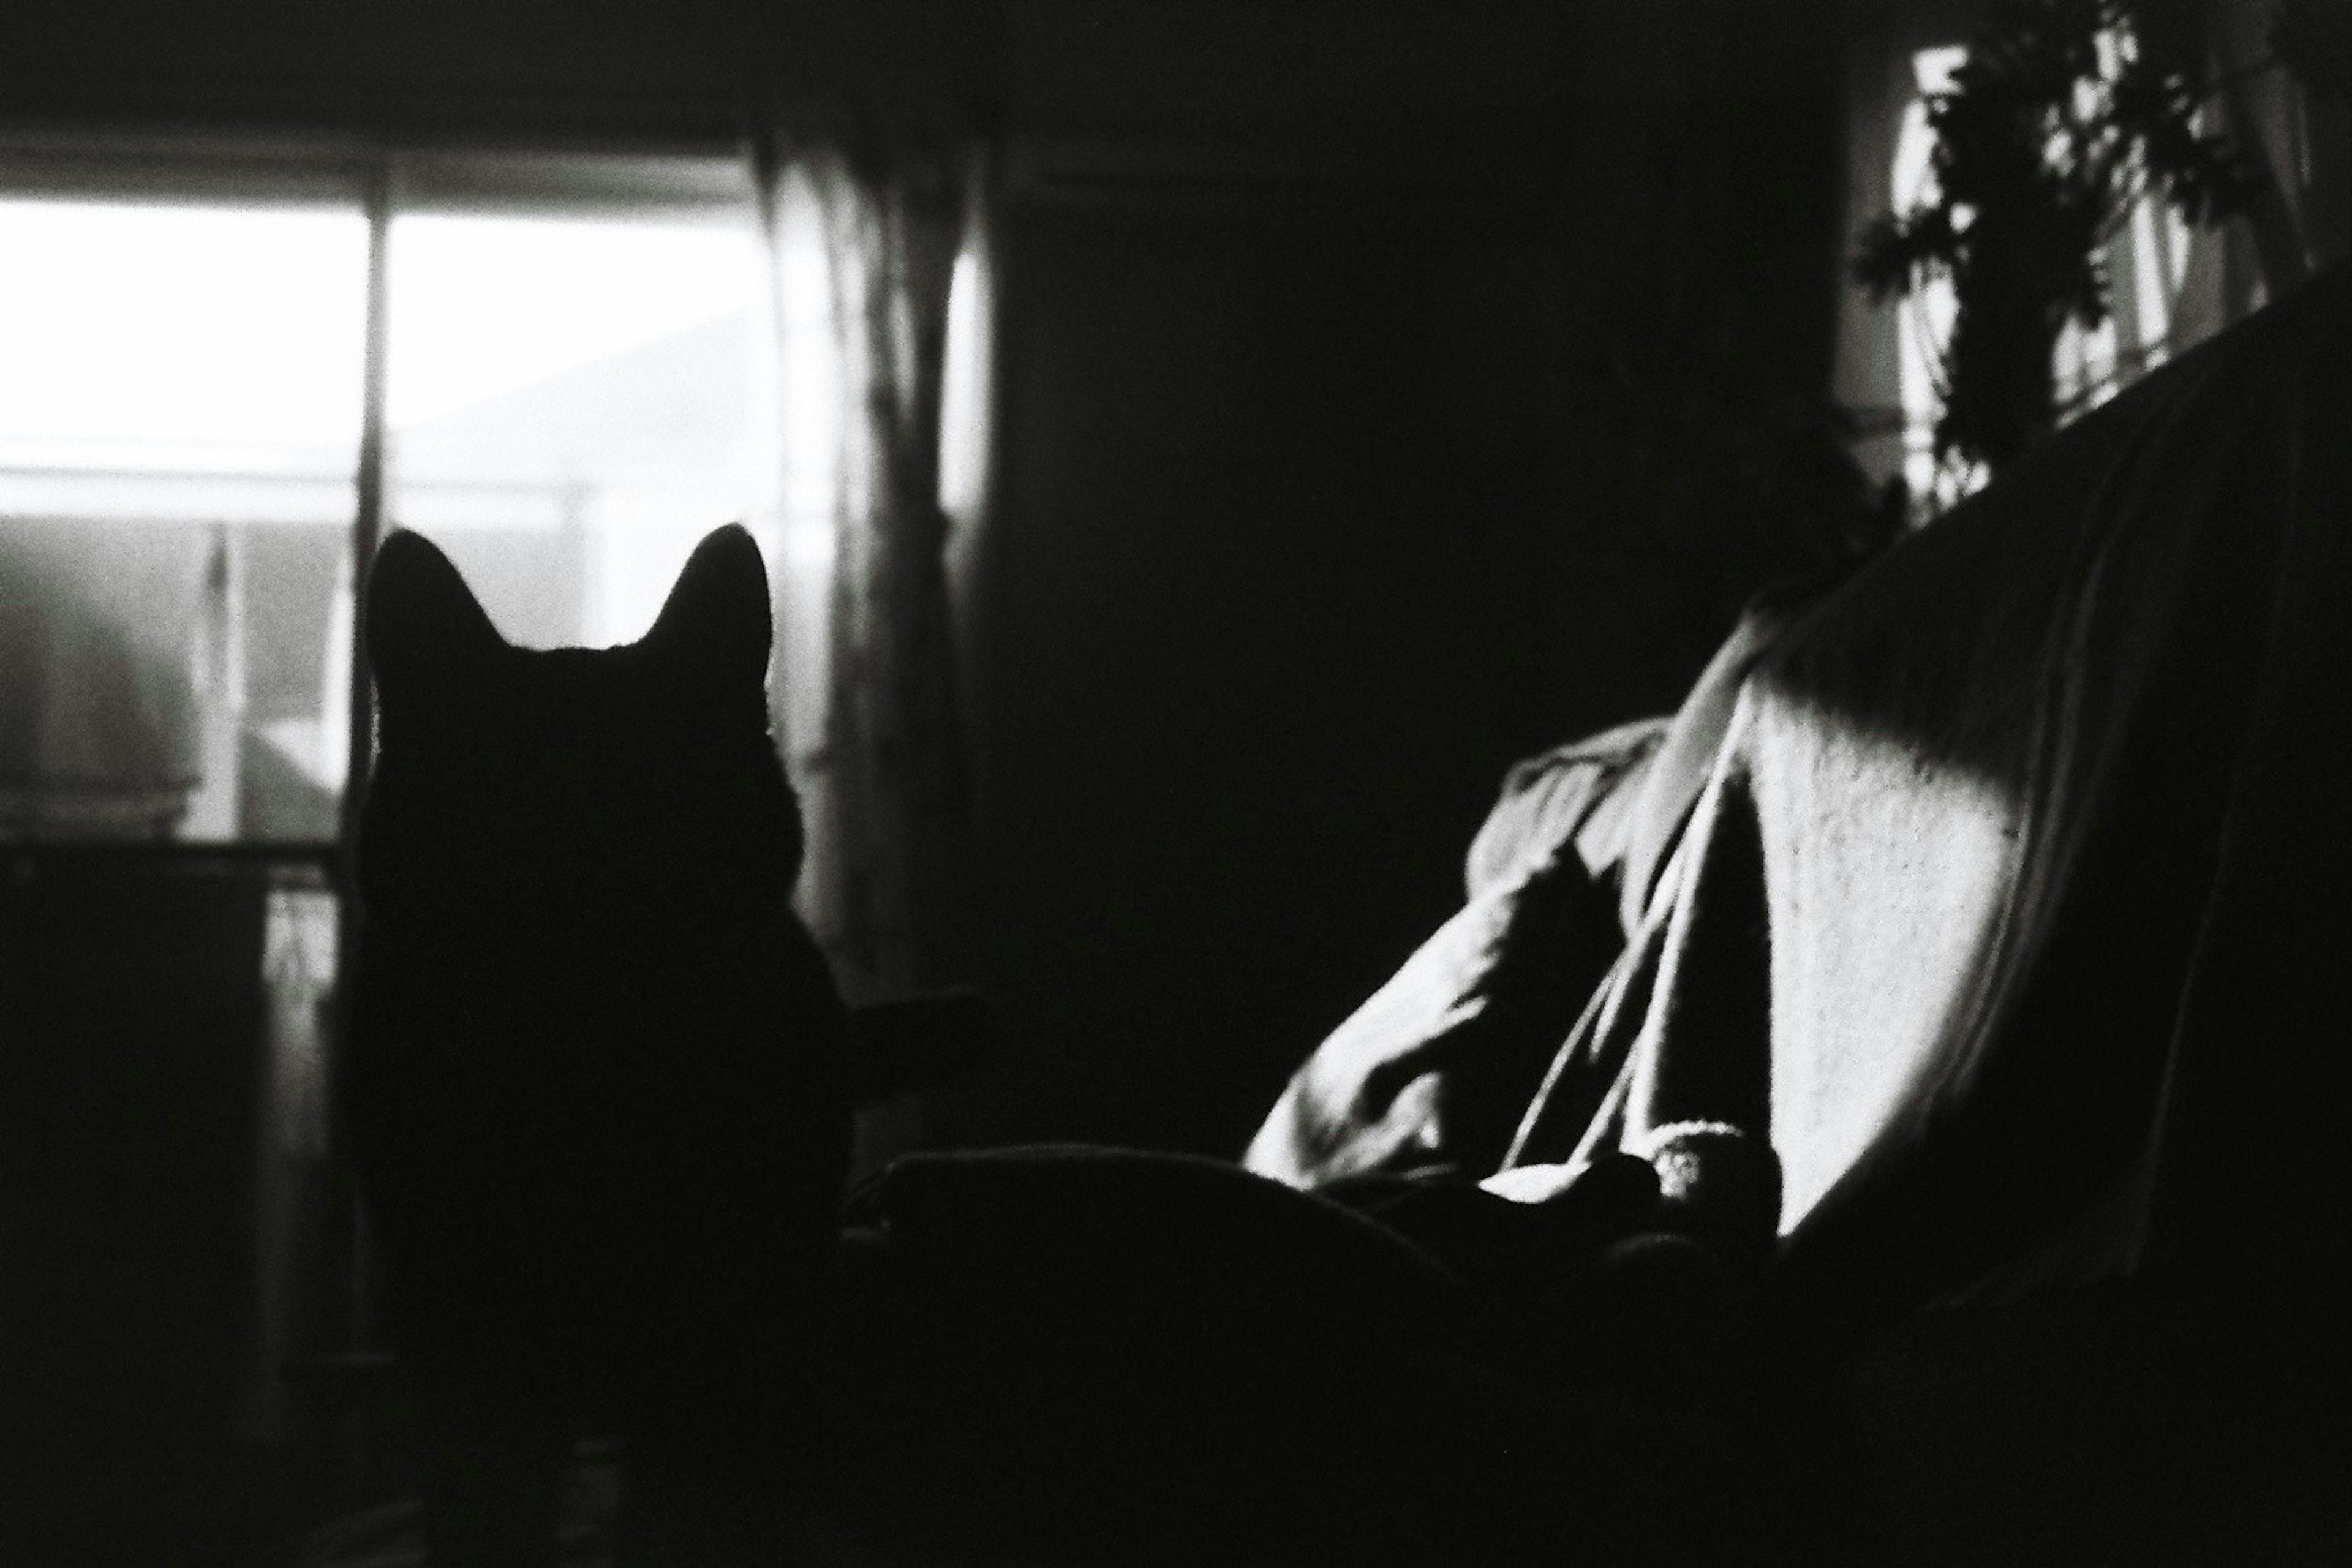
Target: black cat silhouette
{"points": [[594, 1088]]}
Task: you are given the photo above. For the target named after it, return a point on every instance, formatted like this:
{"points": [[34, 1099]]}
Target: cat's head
{"points": [[627, 792]]}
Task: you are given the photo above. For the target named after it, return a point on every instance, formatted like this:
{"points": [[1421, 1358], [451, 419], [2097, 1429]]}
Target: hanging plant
{"points": [[2063, 115]]}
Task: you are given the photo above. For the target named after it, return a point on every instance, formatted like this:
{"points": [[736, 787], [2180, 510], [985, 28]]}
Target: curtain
{"points": [[874, 221]]}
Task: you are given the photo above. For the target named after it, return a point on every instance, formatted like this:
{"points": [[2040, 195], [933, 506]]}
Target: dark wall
{"points": [[1312, 521], [1266, 633], [421, 67], [1694, 232]]}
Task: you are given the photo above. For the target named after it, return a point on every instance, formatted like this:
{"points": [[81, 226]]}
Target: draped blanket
{"points": [[1434, 1070], [2013, 912]]}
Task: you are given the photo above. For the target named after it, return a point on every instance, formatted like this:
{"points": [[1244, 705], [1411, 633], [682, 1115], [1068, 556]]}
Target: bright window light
{"points": [[484, 305], [1925, 318], [570, 404], [570, 407], [2147, 256], [179, 406], [179, 338]]}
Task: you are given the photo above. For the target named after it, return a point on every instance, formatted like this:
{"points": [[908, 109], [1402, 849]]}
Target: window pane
{"points": [[180, 390], [569, 409]]}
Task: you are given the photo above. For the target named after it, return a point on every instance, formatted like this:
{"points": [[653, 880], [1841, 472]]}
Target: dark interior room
{"points": [[1605, 719]]}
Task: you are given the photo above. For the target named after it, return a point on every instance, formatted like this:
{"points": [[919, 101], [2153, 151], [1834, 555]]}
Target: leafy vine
{"points": [[2063, 115]]}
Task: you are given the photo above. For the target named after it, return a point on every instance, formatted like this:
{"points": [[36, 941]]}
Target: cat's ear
{"points": [[424, 627], [715, 622]]}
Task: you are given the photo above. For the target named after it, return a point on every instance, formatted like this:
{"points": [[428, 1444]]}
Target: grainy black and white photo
{"points": [[1175, 784]]}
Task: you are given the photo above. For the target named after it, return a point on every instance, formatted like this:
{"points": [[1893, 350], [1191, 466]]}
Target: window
{"points": [[180, 404], [568, 404], [1926, 324], [2148, 254], [569, 371]]}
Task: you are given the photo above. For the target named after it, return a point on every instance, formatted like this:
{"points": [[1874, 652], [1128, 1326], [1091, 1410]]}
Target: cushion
{"points": [[1434, 1071]]}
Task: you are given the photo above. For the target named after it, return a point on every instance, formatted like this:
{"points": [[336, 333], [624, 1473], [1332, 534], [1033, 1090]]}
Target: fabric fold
{"points": [[1984, 850]]}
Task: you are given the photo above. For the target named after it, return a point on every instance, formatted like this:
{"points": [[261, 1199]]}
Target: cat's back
{"points": [[579, 879], [589, 1036]]}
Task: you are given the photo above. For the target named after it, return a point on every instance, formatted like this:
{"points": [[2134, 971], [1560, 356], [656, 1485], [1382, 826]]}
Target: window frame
{"points": [[381, 178]]}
